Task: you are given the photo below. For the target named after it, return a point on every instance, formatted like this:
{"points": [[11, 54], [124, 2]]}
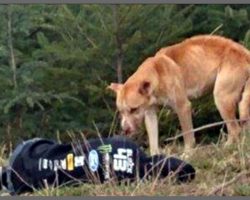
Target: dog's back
{"points": [[200, 58], [212, 47]]}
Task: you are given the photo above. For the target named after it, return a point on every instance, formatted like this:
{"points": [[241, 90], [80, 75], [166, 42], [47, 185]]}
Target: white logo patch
{"points": [[123, 160], [69, 163], [93, 160]]}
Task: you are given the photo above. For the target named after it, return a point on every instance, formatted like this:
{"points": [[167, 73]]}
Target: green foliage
{"points": [[66, 55]]}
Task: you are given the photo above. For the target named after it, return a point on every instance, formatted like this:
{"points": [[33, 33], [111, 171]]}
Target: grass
{"points": [[220, 171]]}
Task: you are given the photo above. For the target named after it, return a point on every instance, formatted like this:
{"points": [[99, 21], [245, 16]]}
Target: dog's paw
{"points": [[185, 156], [187, 153], [228, 146], [228, 143], [231, 142]]}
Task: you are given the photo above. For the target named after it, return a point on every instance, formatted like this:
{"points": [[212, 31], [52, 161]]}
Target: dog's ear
{"points": [[145, 88], [114, 87]]}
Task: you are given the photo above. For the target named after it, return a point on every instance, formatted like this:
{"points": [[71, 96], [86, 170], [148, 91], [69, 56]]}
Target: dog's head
{"points": [[135, 96], [132, 100]]}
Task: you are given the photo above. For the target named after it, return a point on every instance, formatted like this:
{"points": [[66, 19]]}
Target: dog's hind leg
{"points": [[244, 107], [228, 87]]}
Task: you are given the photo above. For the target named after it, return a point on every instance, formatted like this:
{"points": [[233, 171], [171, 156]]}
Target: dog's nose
{"points": [[127, 131]]}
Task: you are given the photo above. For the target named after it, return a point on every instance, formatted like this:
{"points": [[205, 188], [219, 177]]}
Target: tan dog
{"points": [[182, 72]]}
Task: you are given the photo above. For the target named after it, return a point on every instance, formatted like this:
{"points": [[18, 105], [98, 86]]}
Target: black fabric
{"points": [[40, 162]]}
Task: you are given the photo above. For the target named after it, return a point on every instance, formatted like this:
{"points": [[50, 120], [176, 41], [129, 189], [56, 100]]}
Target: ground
{"points": [[220, 171]]}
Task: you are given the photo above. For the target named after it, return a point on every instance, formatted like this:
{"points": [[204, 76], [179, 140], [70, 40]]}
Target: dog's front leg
{"points": [[151, 123]]}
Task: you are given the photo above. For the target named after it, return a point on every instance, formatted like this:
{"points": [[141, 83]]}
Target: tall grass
{"points": [[219, 171]]}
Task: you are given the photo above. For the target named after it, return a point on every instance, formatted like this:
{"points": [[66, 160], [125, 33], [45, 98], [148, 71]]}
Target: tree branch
{"points": [[118, 40], [10, 44]]}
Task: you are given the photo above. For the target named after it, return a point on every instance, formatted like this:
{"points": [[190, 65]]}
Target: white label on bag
{"points": [[123, 160]]}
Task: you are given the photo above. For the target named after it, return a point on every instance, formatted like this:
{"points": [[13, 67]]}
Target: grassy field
{"points": [[220, 171]]}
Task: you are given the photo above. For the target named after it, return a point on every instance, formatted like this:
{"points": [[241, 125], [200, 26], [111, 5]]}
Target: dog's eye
{"points": [[133, 110]]}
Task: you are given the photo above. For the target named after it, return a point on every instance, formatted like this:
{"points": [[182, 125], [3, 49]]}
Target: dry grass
{"points": [[220, 171]]}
